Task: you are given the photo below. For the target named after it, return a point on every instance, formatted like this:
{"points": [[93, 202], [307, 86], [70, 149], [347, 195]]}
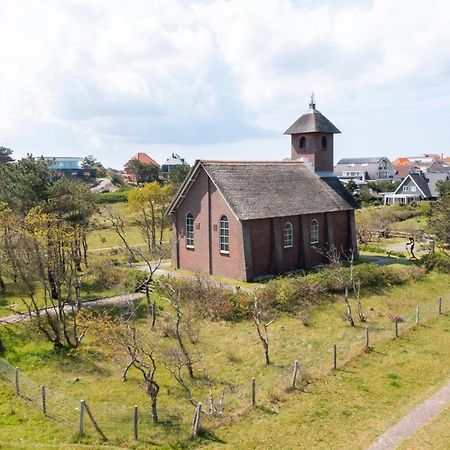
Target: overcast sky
{"points": [[222, 79]]}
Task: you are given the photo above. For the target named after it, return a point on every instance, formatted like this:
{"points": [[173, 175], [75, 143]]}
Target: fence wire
{"points": [[117, 420]]}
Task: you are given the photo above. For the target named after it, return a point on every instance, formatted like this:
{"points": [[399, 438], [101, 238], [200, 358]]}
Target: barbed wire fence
{"points": [[225, 399]]}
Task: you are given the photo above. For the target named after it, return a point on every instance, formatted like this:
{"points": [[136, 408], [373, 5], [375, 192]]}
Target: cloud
{"points": [[90, 75]]}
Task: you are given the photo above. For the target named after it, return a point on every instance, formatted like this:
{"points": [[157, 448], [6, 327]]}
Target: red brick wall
{"points": [[207, 206], [321, 159]]}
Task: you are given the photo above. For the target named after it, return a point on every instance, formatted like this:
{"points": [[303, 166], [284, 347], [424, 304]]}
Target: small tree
{"points": [[258, 315], [143, 173], [439, 223], [131, 348], [178, 174], [148, 205]]}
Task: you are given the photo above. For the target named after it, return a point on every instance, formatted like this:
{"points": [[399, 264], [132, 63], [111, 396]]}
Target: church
{"points": [[247, 220]]}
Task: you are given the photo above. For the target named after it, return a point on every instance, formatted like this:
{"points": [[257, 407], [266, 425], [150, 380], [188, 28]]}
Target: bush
{"points": [[114, 197], [105, 275], [436, 261]]}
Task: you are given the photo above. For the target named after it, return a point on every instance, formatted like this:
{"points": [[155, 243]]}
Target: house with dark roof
{"points": [[416, 187], [361, 170], [250, 219]]}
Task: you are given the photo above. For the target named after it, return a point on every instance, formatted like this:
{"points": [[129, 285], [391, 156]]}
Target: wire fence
{"points": [[125, 422]]}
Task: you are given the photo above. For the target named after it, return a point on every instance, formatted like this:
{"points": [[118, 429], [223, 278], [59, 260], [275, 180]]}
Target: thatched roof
{"points": [[312, 122], [256, 190]]}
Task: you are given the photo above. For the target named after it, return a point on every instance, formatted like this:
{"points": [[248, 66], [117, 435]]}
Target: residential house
{"points": [[173, 161], [416, 187], [250, 219], [362, 170], [144, 159], [67, 166]]}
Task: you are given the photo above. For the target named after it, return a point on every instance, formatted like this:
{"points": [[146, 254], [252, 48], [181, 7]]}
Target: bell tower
{"points": [[312, 136]]}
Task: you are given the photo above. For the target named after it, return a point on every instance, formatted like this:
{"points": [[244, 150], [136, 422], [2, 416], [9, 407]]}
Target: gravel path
{"points": [[418, 417], [118, 300]]}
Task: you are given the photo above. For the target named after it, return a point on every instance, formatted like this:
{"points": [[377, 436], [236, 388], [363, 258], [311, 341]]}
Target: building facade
{"points": [[249, 219], [362, 170], [70, 167]]}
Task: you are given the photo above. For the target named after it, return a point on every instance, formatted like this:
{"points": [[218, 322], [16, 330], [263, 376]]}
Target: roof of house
{"points": [[144, 158], [433, 178], [257, 190], [374, 160], [312, 122], [175, 160], [419, 180]]}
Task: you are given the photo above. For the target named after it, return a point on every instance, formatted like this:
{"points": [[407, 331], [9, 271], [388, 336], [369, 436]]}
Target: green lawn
{"points": [[366, 394]]}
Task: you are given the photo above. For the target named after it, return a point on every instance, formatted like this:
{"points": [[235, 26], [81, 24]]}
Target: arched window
{"points": [[302, 142], [314, 231], [288, 234], [189, 230], [324, 142], [224, 235]]}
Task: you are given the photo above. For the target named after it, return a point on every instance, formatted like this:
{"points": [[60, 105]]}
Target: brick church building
{"points": [[249, 219]]}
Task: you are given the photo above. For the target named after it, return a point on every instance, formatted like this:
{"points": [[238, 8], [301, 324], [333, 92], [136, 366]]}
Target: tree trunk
{"points": [[2, 347], [266, 353], [186, 355], [2, 284]]}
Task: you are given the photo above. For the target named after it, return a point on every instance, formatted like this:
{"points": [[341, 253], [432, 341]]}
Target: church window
{"points": [[302, 142], [189, 230], [324, 142], [288, 234], [314, 231], [224, 235]]}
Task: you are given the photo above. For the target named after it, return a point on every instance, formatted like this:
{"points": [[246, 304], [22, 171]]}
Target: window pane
{"points": [[189, 230], [224, 234]]}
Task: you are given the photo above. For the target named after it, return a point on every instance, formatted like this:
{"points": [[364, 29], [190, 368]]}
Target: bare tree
{"points": [[152, 266], [262, 328], [131, 348]]}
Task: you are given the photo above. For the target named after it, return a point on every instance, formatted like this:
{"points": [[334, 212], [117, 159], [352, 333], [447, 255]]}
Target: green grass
{"points": [[433, 436], [230, 355]]}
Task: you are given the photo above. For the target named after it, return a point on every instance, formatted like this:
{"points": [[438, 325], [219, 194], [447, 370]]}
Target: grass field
{"points": [[374, 388]]}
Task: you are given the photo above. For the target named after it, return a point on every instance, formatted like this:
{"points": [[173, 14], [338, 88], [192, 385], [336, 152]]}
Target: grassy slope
{"points": [[351, 408], [433, 436], [232, 355]]}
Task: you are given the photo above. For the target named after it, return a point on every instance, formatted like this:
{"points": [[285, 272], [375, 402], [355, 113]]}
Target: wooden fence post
{"points": [[253, 392], [440, 305], [334, 356], [44, 400], [396, 327], [16, 379], [417, 315], [99, 431], [82, 405], [197, 419], [294, 374], [136, 416], [367, 339]]}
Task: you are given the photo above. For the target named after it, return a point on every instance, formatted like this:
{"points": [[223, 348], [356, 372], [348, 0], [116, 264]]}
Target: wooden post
{"points": [[16, 379], [294, 374], [253, 392], [197, 419], [417, 315], [334, 356], [440, 305], [100, 432], [367, 338], [44, 401], [82, 405], [396, 327], [136, 412]]}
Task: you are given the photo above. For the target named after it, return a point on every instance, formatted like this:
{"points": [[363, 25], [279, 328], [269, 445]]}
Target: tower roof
{"points": [[312, 122]]}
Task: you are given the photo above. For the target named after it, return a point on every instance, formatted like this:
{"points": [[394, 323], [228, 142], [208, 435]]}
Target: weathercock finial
{"points": [[312, 105]]}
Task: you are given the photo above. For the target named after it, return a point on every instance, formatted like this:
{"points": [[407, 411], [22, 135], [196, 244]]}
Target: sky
{"points": [[218, 79]]}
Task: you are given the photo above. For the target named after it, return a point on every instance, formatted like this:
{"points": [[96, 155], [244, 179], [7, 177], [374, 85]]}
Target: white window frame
{"points": [[314, 231], [413, 189], [405, 188], [224, 235], [190, 242], [288, 235]]}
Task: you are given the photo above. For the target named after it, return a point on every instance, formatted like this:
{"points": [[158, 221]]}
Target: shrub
{"points": [[114, 197], [106, 275], [436, 261]]}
